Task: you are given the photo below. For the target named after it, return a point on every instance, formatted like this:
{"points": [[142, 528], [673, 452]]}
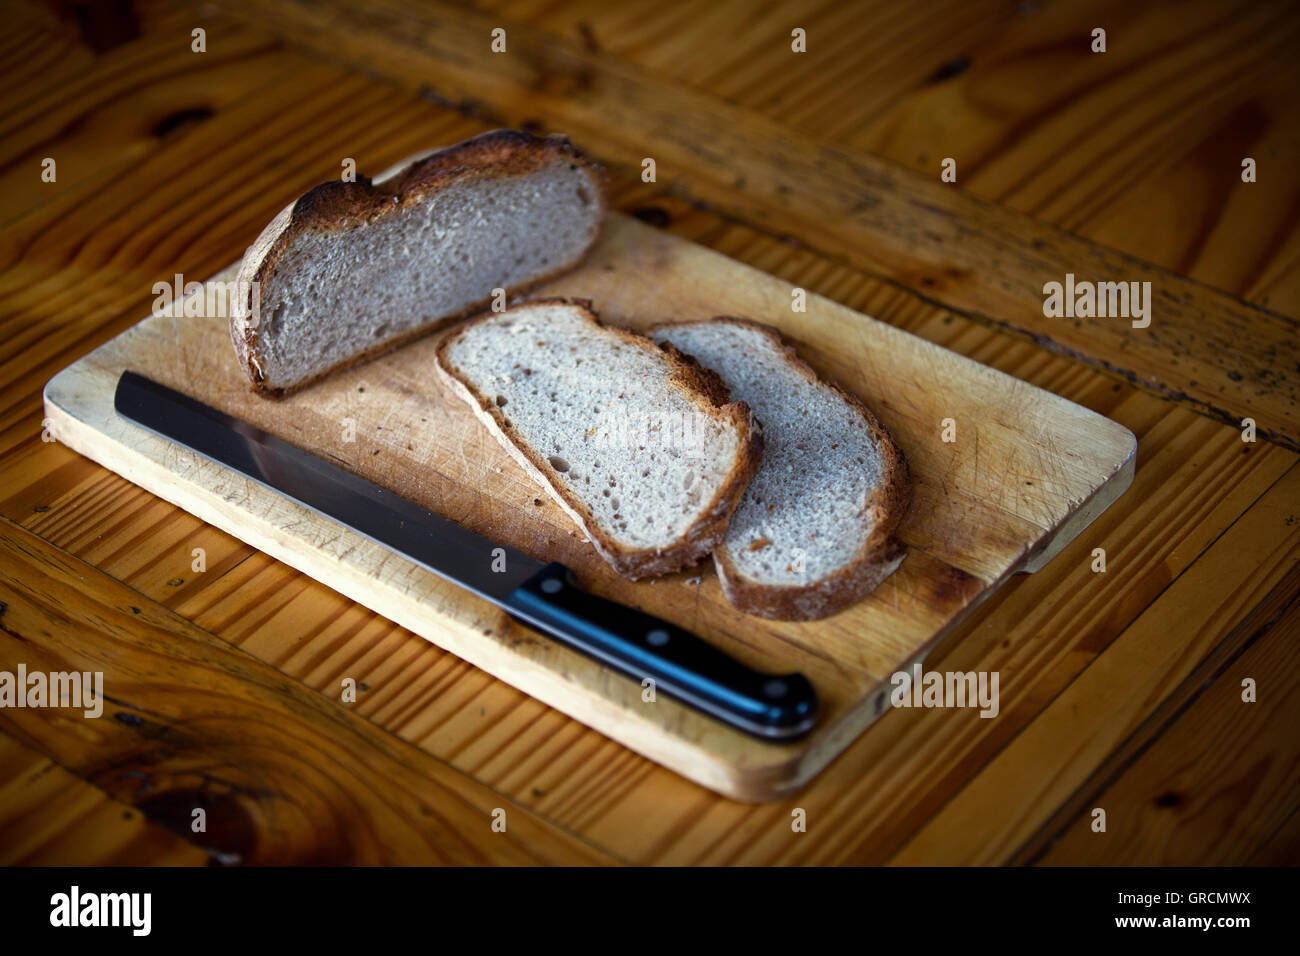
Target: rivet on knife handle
{"points": [[681, 664]]}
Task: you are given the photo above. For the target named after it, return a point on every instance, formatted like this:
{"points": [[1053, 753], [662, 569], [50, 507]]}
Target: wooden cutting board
{"points": [[1028, 471]]}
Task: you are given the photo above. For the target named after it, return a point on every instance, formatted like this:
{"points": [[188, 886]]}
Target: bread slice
{"points": [[353, 269], [639, 445], [813, 533]]}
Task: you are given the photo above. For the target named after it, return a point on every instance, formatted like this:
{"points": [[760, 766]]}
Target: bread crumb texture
{"points": [[603, 413], [806, 513]]}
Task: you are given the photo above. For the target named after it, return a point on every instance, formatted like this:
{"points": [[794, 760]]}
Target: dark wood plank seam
{"points": [[1268, 843], [1235, 643], [988, 608]]}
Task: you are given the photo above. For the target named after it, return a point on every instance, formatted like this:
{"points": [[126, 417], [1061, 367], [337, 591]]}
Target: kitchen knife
{"points": [[546, 596]]}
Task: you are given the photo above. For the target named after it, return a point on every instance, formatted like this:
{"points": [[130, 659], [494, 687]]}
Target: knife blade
{"points": [[545, 595]]}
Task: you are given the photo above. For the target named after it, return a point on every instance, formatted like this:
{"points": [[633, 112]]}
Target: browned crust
{"points": [[701, 386], [336, 205], [880, 553]]}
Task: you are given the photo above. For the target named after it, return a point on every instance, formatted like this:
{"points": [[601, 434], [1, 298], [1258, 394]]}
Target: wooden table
{"points": [[1120, 690]]}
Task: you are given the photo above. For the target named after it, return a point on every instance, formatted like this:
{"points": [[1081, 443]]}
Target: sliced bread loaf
{"points": [[813, 532], [354, 268], [639, 445]]}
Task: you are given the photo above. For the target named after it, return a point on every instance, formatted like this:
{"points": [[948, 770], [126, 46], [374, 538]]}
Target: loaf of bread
{"points": [[353, 269], [813, 533], [640, 446]]}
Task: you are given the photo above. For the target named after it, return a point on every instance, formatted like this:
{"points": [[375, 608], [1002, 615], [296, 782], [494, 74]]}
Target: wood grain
{"points": [[913, 762], [1099, 712], [51, 817], [1222, 782], [987, 261], [1028, 471], [283, 774]]}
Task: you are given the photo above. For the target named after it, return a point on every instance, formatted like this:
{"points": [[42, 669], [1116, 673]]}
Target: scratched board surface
{"points": [[1027, 471]]}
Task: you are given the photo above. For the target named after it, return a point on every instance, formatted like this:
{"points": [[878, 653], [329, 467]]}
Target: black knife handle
{"points": [[680, 664]]}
